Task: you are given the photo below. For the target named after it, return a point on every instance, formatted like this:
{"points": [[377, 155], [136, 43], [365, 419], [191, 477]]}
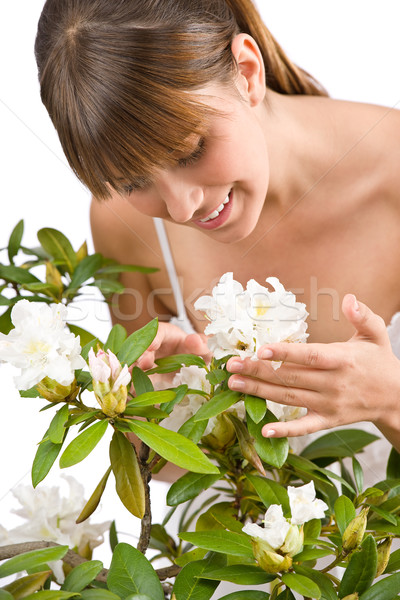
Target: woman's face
{"points": [[221, 187]]}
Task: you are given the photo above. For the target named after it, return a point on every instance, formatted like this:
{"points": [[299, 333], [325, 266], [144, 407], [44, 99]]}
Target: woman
{"points": [[191, 112]]}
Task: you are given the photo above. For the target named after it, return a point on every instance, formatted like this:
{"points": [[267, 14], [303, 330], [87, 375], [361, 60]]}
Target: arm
{"points": [[338, 383]]}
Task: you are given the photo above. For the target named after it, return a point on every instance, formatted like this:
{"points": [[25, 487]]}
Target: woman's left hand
{"points": [[339, 383]]}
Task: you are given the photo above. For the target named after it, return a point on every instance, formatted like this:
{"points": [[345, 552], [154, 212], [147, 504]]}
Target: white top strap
{"points": [[182, 320]]}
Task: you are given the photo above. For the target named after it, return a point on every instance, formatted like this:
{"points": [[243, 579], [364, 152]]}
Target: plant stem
{"points": [[145, 472]]}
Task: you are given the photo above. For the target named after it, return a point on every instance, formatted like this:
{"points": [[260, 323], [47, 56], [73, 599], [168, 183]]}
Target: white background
{"points": [[353, 48]]}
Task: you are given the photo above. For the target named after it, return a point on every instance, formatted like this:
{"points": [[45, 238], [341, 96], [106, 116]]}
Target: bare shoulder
{"points": [[122, 233]]}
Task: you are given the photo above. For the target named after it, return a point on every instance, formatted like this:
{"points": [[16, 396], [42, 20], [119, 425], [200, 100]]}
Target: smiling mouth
{"points": [[216, 212]]}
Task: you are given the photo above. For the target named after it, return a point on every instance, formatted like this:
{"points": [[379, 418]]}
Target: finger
{"points": [[318, 356], [146, 361], [276, 393], [311, 423], [368, 324], [289, 374], [196, 343]]}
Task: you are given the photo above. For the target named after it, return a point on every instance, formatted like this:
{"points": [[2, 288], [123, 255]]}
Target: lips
{"points": [[218, 216]]}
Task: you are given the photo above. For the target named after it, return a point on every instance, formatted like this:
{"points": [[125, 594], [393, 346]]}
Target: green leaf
{"points": [[115, 339], [247, 595], [358, 474], [117, 268], [385, 589], [394, 562], [52, 595], [302, 585], [174, 447], [94, 499], [138, 597], [312, 529], [216, 405], [141, 382], [270, 492], [255, 407], [56, 430], [217, 376], [91, 344], [384, 514], [324, 583], [86, 269], [98, 594], [175, 362], [131, 573], [128, 480], [45, 457], [21, 587], [32, 560], [221, 541], [339, 444], [151, 398], [189, 584], [393, 465], [59, 247], [273, 451], [5, 321], [192, 555], [113, 536], [82, 575], [344, 512], [241, 575], [108, 287], [360, 571], [17, 275], [189, 486], [5, 595], [137, 343], [83, 444], [14, 242], [192, 430]]}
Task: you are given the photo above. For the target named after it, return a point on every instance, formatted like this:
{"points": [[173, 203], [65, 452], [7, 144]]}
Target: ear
{"points": [[251, 71]]}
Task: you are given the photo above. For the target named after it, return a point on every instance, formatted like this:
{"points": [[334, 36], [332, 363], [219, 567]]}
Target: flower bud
{"points": [[53, 276], [293, 541], [353, 596], [51, 390], [383, 555], [222, 435], [354, 532], [269, 560], [109, 382]]}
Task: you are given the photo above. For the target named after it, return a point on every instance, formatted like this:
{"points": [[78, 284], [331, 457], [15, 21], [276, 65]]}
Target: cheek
{"points": [[147, 204]]}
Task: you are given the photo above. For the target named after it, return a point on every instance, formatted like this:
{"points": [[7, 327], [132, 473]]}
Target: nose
{"points": [[182, 198]]}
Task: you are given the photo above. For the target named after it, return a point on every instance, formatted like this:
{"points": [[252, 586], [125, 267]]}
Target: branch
{"points": [[145, 530], [72, 558]]}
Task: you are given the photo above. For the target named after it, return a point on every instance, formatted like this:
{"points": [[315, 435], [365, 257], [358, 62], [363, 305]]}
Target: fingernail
{"points": [[266, 353], [269, 433], [236, 383], [356, 306], [235, 366]]}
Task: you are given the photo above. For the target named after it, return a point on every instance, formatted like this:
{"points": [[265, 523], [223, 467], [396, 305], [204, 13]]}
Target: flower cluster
{"points": [[52, 517], [241, 321], [110, 381], [280, 539], [41, 345]]}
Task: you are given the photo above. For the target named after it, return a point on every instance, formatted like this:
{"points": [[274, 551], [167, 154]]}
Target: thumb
{"points": [[368, 324]]}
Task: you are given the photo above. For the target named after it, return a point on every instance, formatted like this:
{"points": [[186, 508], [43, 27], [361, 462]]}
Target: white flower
{"points": [[275, 527], [241, 321], [41, 345], [51, 517], [304, 505]]}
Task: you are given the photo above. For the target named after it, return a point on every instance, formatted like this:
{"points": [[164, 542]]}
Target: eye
{"points": [[195, 156]]}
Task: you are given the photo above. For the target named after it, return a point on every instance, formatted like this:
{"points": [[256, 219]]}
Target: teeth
{"points": [[216, 212]]}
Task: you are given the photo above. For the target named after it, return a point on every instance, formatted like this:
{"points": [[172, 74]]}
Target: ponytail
{"points": [[282, 75]]}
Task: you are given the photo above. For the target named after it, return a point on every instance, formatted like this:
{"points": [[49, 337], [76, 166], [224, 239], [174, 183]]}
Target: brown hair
{"points": [[112, 73]]}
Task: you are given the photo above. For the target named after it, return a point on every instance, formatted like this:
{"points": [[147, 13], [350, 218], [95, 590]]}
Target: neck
{"points": [[298, 130]]}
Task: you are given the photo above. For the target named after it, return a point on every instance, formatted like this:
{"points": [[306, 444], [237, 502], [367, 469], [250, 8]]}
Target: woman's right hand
{"points": [[171, 339]]}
